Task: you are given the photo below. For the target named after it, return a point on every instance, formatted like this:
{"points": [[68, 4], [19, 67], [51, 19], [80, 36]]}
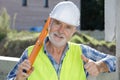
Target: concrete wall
{"points": [[118, 37], [7, 63], [110, 20]]}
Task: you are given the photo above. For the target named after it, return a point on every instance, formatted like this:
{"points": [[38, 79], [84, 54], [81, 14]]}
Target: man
{"points": [[59, 59]]}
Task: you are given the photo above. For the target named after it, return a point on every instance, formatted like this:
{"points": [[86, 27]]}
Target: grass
{"points": [[23, 35]]}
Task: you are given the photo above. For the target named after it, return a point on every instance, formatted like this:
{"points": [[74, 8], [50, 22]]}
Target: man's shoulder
{"points": [[30, 47], [73, 43], [83, 46]]}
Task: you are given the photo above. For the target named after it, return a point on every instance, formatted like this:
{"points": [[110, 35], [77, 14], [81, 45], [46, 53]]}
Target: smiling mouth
{"points": [[58, 36]]}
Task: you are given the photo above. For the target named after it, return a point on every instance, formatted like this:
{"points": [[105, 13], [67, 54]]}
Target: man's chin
{"points": [[57, 43], [58, 39]]}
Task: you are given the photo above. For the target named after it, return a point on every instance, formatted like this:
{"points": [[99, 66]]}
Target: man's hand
{"points": [[94, 68], [25, 65]]}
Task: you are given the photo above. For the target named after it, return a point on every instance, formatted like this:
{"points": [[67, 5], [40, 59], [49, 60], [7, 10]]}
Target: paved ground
{"points": [[32, 15]]}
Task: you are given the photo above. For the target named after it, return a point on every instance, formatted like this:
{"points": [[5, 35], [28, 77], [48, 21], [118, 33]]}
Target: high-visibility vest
{"points": [[72, 66]]}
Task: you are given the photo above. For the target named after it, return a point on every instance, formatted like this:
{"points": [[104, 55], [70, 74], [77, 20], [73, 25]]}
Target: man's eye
{"points": [[57, 22], [68, 27]]}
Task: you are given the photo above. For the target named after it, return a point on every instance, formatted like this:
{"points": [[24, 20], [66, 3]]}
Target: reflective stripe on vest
{"points": [[72, 66]]}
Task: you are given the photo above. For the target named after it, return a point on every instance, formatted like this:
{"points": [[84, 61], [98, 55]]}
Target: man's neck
{"points": [[56, 52]]}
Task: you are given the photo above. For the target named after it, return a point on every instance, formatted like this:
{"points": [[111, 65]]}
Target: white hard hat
{"points": [[67, 12]]}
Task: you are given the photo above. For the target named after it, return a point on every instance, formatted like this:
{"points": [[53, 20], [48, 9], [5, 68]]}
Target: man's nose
{"points": [[61, 29]]}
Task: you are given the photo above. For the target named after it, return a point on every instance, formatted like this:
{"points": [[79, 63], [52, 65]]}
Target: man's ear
{"points": [[74, 30]]}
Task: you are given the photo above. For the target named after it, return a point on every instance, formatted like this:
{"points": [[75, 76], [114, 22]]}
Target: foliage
{"points": [[17, 42], [85, 39], [4, 23], [101, 45], [22, 35]]}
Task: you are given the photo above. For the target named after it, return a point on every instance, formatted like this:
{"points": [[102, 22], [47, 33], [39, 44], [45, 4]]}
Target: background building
{"points": [[32, 15]]}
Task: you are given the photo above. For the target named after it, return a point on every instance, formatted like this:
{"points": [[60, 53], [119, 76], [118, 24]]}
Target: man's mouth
{"points": [[56, 35]]}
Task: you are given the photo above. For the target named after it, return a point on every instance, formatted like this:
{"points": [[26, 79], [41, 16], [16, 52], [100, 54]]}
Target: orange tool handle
{"points": [[39, 42]]}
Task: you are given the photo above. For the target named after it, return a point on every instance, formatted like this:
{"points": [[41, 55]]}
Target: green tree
{"points": [[4, 23]]}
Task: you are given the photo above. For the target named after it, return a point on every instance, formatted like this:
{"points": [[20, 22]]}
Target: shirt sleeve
{"points": [[97, 55], [12, 74]]}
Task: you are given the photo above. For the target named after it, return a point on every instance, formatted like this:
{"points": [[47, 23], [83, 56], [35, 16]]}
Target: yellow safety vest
{"points": [[72, 66]]}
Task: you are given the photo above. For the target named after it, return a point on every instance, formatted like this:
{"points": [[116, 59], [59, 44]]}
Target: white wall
{"points": [[110, 19], [6, 64], [118, 37]]}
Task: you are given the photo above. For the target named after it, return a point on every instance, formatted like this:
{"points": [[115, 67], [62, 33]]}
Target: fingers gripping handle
{"points": [[38, 43]]}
